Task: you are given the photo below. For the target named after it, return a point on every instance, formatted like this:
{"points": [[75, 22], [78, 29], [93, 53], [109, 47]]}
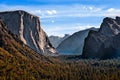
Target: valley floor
{"points": [[59, 69]]}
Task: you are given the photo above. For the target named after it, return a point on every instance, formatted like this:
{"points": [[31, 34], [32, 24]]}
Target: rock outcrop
{"points": [[104, 43], [56, 40], [27, 27], [73, 45]]}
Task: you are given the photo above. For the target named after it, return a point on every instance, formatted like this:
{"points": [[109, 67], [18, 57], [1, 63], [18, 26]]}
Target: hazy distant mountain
{"points": [[74, 44], [104, 43], [27, 27], [56, 40]]}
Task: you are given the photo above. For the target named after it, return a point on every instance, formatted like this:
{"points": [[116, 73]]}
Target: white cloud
{"points": [[82, 27], [91, 8], [65, 11], [51, 12], [37, 12], [110, 9], [61, 30], [112, 12], [44, 13], [60, 11]]}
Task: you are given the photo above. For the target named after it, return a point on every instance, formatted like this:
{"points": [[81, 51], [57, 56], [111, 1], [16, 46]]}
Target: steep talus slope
{"points": [[74, 44], [104, 43], [56, 40], [27, 27]]}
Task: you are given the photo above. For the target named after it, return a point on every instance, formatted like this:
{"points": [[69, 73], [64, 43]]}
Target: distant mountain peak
{"points": [[56, 40], [73, 45]]}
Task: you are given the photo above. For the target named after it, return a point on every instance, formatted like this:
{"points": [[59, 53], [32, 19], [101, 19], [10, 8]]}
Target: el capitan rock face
{"points": [[27, 27], [104, 43], [12, 47]]}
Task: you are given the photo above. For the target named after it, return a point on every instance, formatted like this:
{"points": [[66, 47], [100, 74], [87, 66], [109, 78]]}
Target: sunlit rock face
{"points": [[27, 27], [104, 43]]}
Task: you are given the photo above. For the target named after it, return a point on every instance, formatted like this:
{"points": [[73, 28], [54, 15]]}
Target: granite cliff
{"points": [[104, 43], [27, 27]]}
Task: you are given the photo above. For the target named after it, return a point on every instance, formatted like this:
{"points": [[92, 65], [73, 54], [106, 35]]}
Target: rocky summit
{"points": [[27, 27], [104, 43]]}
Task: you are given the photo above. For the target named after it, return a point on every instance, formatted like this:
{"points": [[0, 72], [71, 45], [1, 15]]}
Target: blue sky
{"points": [[59, 17]]}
